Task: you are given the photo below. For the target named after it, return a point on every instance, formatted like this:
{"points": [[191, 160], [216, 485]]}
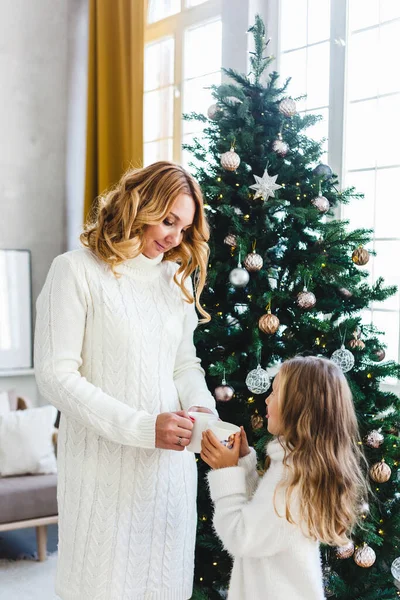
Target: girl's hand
{"points": [[215, 454], [244, 444]]}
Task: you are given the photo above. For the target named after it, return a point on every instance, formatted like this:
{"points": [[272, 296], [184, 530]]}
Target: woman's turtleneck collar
{"points": [[142, 267]]}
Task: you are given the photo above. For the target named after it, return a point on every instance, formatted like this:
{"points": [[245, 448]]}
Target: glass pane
{"points": [[361, 143], [188, 157], [363, 13], [158, 114], [360, 213], [390, 9], [389, 48], [197, 98], [388, 149], [154, 151], [385, 264], [363, 61], [159, 64], [202, 49], [318, 75], [294, 65], [388, 322], [293, 31], [190, 3], [318, 20], [387, 218], [320, 130], [160, 9]]}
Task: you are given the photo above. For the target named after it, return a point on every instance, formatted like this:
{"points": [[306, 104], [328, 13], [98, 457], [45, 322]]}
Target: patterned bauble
{"points": [[343, 358], [306, 299], [329, 578], [280, 147], [239, 277], [258, 380], [224, 393], [230, 160], [360, 256], [257, 422], [287, 107], [268, 323], [374, 439], [380, 472], [364, 556], [379, 355], [323, 171], [357, 344], [346, 551], [345, 292], [253, 262], [213, 111], [395, 569], [231, 240], [321, 203]]}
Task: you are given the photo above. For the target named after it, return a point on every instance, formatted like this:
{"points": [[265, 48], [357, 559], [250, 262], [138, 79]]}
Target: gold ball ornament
{"points": [[230, 160], [287, 107], [360, 256], [374, 439], [346, 551], [253, 262], [380, 472], [269, 323], [257, 422], [224, 393], [306, 299], [364, 556], [321, 203], [230, 240], [357, 344]]}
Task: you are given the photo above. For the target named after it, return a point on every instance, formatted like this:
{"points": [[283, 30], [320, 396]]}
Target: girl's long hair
{"points": [[322, 448], [144, 197]]}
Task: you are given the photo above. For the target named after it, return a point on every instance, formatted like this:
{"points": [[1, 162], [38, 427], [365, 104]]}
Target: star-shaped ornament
{"points": [[265, 186]]}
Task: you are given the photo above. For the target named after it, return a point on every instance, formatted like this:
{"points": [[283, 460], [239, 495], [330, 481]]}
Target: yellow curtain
{"points": [[114, 138]]}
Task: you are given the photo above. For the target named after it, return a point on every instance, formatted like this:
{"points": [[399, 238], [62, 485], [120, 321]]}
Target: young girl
{"points": [[310, 494]]}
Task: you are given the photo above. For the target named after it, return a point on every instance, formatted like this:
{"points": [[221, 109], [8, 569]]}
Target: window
{"points": [[182, 60]]}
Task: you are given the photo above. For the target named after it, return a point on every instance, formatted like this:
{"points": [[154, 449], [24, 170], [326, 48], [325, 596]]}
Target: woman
{"points": [[114, 353]]}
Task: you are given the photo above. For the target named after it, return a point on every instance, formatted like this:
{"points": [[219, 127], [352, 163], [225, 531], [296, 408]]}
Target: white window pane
{"points": [[318, 20], [160, 9], [388, 322], [385, 264], [363, 13], [293, 30], [363, 61], [360, 213], [387, 218], [389, 52], [202, 49], [294, 65], [188, 157], [158, 114], [154, 151], [320, 130], [318, 75], [190, 3], [159, 64], [361, 143], [390, 9], [197, 98], [388, 150]]}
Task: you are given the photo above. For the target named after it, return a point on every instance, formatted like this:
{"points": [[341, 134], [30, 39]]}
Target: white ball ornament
{"points": [[230, 160], [258, 380], [280, 147], [395, 569], [343, 358], [288, 107]]}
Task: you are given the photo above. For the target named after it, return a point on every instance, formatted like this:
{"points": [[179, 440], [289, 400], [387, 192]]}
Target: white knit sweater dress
{"points": [[111, 354], [273, 559]]}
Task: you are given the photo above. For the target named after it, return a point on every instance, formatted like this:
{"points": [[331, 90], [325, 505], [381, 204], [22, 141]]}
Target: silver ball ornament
{"points": [[239, 277], [323, 171], [224, 393], [321, 203], [213, 111], [230, 160], [258, 380], [343, 358], [280, 147]]}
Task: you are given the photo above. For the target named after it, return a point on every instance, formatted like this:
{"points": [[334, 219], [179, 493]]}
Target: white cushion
{"points": [[26, 441], [4, 403]]}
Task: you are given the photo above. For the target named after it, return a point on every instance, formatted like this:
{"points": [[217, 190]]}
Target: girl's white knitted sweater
{"points": [[273, 559], [111, 354]]}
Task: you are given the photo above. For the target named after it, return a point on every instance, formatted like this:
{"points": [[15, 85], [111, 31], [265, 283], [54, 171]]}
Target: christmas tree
{"points": [[286, 277]]}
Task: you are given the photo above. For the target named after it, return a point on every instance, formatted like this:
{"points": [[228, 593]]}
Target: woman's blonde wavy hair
{"points": [[319, 432], [144, 197]]}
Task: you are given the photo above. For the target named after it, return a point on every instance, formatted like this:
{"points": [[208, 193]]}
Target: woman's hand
{"points": [[244, 444], [215, 454], [173, 430]]}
